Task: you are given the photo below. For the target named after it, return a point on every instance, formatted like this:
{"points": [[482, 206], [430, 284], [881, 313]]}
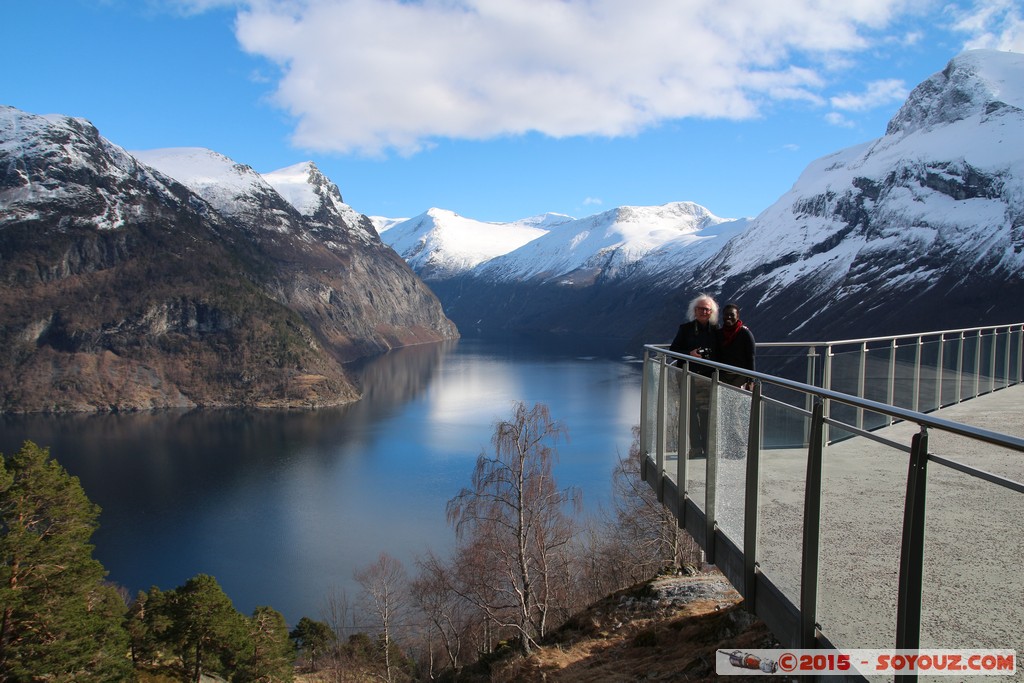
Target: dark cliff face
{"points": [[120, 289]]}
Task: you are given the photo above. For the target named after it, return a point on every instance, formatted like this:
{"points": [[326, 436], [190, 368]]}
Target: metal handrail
{"points": [[911, 335], [795, 625], [923, 419]]}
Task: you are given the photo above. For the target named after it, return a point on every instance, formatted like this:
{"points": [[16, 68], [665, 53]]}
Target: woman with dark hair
{"points": [[735, 346]]}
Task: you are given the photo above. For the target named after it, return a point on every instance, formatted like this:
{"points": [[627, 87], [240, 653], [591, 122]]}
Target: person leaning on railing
{"points": [[697, 337], [735, 347]]}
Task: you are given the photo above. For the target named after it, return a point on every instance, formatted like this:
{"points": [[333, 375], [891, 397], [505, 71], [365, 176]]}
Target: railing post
{"points": [[662, 436], [1020, 355], [711, 472], [644, 388], [977, 365], [940, 363], [826, 383], [684, 442], [811, 366], [862, 369], [890, 394], [960, 370], [1006, 356], [812, 532], [908, 606], [916, 395], [992, 362], [750, 500]]}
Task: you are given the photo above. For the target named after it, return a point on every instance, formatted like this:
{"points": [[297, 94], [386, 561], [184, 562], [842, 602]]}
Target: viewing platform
{"points": [[851, 523]]}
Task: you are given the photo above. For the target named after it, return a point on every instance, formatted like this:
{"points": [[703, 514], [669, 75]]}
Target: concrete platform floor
{"points": [[974, 548]]}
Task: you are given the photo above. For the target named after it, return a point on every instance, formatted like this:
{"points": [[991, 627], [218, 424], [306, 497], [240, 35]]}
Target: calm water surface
{"points": [[281, 507]]}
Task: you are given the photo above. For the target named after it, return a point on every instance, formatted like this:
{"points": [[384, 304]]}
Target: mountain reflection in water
{"points": [[282, 506]]}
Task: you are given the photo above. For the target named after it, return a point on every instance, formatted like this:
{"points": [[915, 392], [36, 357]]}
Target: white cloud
{"points": [[836, 119], [992, 24], [877, 94], [373, 76], [592, 201]]}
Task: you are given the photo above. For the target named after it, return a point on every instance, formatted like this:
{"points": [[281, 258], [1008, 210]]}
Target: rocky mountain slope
{"points": [[920, 229], [122, 288]]}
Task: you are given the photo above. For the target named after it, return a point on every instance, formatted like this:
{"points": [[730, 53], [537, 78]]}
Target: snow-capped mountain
{"points": [[441, 244], [194, 281], [607, 245], [922, 228], [548, 273]]}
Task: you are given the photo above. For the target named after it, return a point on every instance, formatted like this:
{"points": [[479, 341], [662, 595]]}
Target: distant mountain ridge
{"points": [[903, 233], [124, 286], [181, 278]]}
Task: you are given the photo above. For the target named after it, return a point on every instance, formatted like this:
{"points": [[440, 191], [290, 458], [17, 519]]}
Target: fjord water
{"points": [[282, 506]]}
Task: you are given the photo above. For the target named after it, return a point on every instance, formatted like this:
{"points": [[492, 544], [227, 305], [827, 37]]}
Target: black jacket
{"points": [[692, 335], [739, 352]]}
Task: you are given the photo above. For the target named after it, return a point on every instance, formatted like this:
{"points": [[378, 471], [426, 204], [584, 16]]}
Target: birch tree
{"points": [[514, 526]]}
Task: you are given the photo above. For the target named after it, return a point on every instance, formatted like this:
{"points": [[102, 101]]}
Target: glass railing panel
{"points": [[1016, 364], [649, 428], [877, 370], [951, 371], [845, 380], [674, 377], [781, 506], [972, 580], [1001, 350], [862, 494], [928, 393], [982, 364], [903, 374], [731, 433], [696, 472], [969, 366], [781, 427]]}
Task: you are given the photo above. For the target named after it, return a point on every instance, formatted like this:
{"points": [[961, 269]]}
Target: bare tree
{"points": [[645, 533], [514, 528], [386, 595], [446, 612]]}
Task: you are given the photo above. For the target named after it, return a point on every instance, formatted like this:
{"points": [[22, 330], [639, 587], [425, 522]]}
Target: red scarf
{"points": [[729, 333]]}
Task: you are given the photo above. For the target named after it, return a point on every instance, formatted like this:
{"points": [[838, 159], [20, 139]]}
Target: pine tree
{"points": [[57, 619], [206, 630], [271, 654], [314, 638]]}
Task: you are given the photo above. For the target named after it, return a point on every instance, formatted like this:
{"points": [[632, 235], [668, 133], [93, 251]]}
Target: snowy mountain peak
{"points": [[301, 185], [313, 195], [973, 83], [440, 243]]}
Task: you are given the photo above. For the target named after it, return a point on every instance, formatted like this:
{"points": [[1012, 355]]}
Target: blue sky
{"points": [[497, 109]]}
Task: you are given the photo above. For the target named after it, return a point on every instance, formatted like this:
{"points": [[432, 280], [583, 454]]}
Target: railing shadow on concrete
{"points": [[816, 503]]}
